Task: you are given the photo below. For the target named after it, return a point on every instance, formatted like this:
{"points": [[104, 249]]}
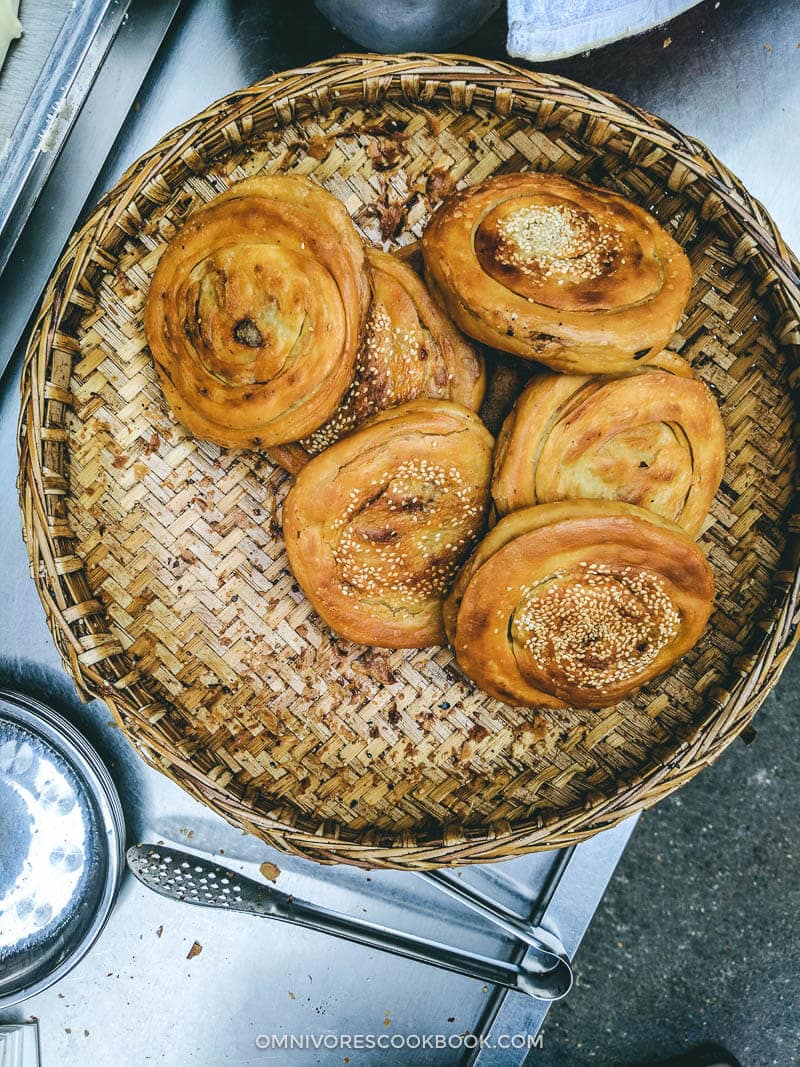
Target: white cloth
{"points": [[10, 26], [552, 29]]}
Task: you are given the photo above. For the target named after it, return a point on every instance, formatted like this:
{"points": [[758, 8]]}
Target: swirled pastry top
{"points": [[559, 271], [654, 439], [377, 525], [256, 312], [577, 603], [411, 349]]}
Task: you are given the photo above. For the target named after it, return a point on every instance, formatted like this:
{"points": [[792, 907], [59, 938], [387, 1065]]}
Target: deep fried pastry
{"points": [[557, 271], [411, 350], [377, 525], [655, 439], [256, 312], [577, 603]]}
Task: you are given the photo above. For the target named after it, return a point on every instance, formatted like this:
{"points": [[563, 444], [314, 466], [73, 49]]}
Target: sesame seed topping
{"points": [[395, 364], [596, 626], [402, 539], [543, 240]]}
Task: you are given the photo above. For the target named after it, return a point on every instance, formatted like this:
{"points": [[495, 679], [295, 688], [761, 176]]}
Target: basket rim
{"points": [[377, 77]]}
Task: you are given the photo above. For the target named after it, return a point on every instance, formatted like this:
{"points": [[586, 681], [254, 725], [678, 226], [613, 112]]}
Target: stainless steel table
{"points": [[136, 996]]}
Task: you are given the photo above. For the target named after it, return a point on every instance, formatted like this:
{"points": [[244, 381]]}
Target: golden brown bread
{"points": [[377, 525], [256, 311], [577, 603], [411, 349], [558, 271], [653, 439]]}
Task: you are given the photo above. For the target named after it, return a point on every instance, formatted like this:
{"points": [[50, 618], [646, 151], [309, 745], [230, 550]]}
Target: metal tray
{"points": [[136, 994], [42, 91]]}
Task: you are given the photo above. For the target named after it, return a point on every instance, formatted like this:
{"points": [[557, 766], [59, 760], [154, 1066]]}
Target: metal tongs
{"points": [[541, 942], [544, 974]]}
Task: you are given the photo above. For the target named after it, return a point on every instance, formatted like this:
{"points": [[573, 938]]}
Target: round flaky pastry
{"points": [[654, 439], [558, 271], [577, 603], [411, 349], [256, 312], [377, 525]]}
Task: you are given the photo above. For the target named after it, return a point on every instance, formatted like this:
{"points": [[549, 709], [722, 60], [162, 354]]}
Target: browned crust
{"points": [[599, 325], [534, 544], [238, 364], [654, 439]]}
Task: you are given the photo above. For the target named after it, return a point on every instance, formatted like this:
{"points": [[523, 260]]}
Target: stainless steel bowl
{"points": [[62, 846], [407, 25]]}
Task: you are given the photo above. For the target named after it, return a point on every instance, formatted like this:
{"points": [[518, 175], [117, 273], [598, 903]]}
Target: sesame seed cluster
{"points": [[410, 350], [543, 240], [598, 626], [394, 364], [403, 539]]}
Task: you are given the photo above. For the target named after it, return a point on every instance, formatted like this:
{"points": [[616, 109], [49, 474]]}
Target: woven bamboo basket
{"points": [[159, 558]]}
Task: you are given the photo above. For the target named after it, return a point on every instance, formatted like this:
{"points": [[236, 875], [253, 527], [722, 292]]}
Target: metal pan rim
{"points": [[62, 735]]}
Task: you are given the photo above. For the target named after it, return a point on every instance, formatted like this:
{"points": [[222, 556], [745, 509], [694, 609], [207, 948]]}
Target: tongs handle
{"points": [[556, 967]]}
